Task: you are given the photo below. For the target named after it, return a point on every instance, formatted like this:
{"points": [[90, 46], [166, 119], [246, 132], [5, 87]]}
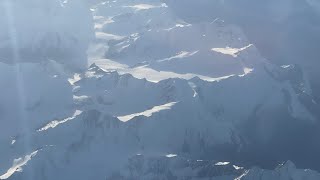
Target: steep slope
{"points": [[161, 41], [197, 125], [174, 167], [32, 94], [285, 32], [178, 98]]}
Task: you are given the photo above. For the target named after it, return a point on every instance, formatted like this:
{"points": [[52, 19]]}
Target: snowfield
{"points": [[162, 97]]}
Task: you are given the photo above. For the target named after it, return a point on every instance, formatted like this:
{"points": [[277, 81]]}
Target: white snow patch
{"points": [[17, 165], [246, 71], [178, 26], [80, 98], [180, 55], [76, 77], [140, 7], [13, 142], [150, 74], [171, 155], [222, 163], [193, 86], [243, 175], [230, 51], [92, 74], [147, 113], [286, 66], [56, 123], [237, 167]]}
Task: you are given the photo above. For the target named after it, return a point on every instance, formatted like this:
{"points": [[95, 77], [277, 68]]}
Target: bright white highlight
{"points": [[18, 164], [56, 123], [147, 113], [234, 52]]}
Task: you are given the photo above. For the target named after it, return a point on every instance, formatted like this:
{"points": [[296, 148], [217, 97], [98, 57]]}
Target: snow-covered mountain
{"points": [[176, 117], [166, 96], [285, 32]]}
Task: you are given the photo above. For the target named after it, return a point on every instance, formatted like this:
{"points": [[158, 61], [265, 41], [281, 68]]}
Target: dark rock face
{"points": [[285, 32]]}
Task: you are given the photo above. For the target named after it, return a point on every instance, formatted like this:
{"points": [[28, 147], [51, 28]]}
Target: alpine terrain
{"points": [[159, 90]]}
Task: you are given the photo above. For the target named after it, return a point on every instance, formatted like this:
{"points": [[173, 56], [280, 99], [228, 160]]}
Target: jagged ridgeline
{"points": [[175, 90]]}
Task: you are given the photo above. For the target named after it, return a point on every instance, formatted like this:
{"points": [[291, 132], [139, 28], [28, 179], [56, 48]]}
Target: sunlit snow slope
{"points": [[162, 98]]}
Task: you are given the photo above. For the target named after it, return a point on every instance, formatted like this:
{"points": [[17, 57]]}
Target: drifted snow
{"points": [[139, 7], [149, 73], [171, 155], [156, 87], [56, 123], [18, 164], [180, 55], [234, 52], [222, 163], [166, 46], [147, 113]]}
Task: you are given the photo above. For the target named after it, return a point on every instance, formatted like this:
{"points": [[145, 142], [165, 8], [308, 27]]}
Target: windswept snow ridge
{"points": [[231, 51], [148, 73], [182, 54], [18, 164], [139, 7], [147, 113], [165, 97], [56, 123]]}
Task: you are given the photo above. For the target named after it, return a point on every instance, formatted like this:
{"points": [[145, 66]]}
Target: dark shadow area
{"points": [[271, 141]]}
